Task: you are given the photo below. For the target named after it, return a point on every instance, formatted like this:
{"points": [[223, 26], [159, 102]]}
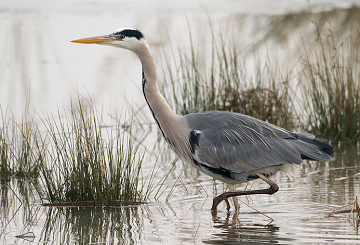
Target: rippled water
{"points": [[299, 213], [39, 61]]}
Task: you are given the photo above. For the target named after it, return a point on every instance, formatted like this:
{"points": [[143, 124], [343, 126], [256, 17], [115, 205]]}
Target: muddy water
{"points": [[301, 212], [40, 67]]}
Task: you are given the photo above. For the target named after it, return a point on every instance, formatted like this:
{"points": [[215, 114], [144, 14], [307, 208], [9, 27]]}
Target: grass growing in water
{"points": [[326, 102], [331, 86], [77, 159], [226, 84], [90, 168], [17, 151]]}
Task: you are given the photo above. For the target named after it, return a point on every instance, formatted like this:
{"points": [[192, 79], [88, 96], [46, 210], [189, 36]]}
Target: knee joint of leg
{"points": [[274, 188]]}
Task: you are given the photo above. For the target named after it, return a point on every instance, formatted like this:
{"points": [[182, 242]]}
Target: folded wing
{"points": [[240, 143]]}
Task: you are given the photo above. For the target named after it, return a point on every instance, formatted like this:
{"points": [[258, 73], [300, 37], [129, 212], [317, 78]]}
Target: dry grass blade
{"points": [[271, 219], [353, 209]]}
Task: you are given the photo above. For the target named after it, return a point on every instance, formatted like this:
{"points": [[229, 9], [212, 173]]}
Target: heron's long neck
{"points": [[163, 114]]}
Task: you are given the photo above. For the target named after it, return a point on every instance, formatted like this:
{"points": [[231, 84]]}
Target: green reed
{"points": [[191, 84], [331, 86], [74, 157], [17, 154], [326, 101], [92, 163]]}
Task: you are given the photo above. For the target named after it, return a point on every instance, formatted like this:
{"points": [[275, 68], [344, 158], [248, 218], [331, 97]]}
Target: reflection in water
{"points": [[28, 236], [300, 212], [230, 229], [336, 182], [18, 212], [93, 225]]}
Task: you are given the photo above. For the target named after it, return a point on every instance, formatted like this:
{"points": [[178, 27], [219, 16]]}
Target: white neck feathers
{"points": [[171, 125]]}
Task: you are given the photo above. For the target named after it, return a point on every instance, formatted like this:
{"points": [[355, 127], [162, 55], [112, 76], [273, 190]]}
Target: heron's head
{"points": [[126, 38]]}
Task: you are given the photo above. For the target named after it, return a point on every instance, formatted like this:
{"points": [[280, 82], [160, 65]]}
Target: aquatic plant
{"points": [[88, 162], [331, 86], [17, 151], [225, 83], [74, 158], [326, 101]]}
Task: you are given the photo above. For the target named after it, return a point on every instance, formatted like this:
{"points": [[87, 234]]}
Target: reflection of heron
{"points": [[231, 147]]}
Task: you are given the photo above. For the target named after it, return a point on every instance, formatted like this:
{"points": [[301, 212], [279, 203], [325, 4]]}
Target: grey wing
{"points": [[240, 143]]}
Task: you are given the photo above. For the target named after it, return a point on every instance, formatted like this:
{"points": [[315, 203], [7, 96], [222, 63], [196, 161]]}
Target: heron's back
{"points": [[232, 143]]}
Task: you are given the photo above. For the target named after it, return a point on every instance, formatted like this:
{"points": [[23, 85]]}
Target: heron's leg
{"points": [[227, 204], [273, 188], [235, 200]]}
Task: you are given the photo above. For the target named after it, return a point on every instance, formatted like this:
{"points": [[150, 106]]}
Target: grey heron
{"points": [[230, 147]]}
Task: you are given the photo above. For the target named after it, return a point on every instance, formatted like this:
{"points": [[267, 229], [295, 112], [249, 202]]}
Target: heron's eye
{"points": [[122, 37]]}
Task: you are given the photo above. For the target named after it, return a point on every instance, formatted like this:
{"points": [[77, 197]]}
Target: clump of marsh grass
{"points": [[87, 163], [5, 166], [225, 84], [331, 86], [17, 151], [75, 158]]}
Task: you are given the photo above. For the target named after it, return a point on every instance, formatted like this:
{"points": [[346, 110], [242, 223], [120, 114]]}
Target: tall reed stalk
{"points": [[327, 102], [331, 86], [89, 163], [191, 84], [18, 157], [74, 158]]}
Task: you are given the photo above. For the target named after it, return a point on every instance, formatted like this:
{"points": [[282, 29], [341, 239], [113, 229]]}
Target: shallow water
{"points": [[299, 213], [40, 67]]}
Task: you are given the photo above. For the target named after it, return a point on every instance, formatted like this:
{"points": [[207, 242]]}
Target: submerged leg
{"points": [[273, 188], [227, 204]]}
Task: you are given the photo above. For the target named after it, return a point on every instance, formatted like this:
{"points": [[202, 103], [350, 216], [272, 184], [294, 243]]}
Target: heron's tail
{"points": [[314, 150]]}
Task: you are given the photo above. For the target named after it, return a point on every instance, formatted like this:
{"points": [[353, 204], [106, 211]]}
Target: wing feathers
{"points": [[241, 143]]}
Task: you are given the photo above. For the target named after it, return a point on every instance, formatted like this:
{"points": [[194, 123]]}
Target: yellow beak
{"points": [[106, 39]]}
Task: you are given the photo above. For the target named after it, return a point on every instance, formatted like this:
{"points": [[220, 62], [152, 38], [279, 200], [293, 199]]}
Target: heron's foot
{"points": [[217, 200], [224, 196]]}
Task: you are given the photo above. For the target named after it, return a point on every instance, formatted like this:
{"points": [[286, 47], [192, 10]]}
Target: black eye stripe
{"points": [[130, 33]]}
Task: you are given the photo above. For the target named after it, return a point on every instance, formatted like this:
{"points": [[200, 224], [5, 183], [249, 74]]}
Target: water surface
{"points": [[299, 213]]}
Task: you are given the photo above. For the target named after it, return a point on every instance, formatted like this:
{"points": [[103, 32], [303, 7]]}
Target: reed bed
{"points": [[331, 86], [225, 83], [320, 95], [75, 158], [17, 154]]}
